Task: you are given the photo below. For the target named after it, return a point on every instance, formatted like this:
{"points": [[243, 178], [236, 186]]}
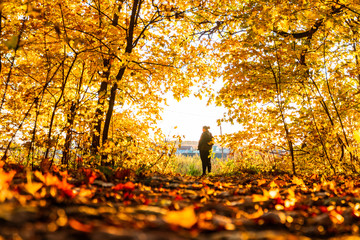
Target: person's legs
{"points": [[208, 161], [203, 157], [209, 164]]}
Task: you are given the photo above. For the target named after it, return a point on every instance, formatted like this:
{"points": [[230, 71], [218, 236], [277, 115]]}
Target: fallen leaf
{"points": [[32, 188], [129, 186], [298, 181], [80, 226], [185, 218]]}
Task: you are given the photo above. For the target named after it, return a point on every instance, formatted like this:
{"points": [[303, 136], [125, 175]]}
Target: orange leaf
{"points": [[129, 186], [32, 188], [260, 198], [66, 188], [80, 226], [90, 175], [48, 179], [40, 176], [261, 182], [6, 178]]}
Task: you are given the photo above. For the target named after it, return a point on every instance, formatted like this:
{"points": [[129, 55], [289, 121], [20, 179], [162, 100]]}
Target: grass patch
{"points": [[192, 165], [188, 165]]}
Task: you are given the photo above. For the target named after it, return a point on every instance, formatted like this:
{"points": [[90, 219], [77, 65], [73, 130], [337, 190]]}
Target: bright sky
{"points": [[189, 116]]}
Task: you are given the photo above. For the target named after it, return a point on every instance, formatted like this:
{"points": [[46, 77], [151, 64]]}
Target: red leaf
{"points": [[323, 209], [279, 201], [118, 187], [129, 186], [90, 175], [128, 196], [68, 193], [178, 197]]}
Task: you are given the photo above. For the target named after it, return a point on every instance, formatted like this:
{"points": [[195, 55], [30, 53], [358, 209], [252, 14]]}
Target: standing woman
{"points": [[205, 146]]}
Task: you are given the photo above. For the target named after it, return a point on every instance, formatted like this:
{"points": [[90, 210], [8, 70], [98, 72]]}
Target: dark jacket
{"points": [[205, 142]]}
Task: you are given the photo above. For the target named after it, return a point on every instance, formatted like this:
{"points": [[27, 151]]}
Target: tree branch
{"points": [[309, 33]]}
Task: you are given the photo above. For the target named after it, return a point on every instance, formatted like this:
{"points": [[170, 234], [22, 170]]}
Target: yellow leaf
{"points": [[284, 24], [32, 188], [185, 218], [357, 135], [329, 24], [48, 179], [273, 185], [210, 191], [298, 181], [260, 198], [272, 193]]}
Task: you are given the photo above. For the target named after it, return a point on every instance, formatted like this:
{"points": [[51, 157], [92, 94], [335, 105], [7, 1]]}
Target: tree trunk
{"points": [[55, 108], [70, 123], [129, 47], [98, 119], [277, 79], [31, 145]]}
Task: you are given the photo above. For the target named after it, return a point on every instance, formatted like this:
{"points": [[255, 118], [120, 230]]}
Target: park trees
{"points": [[67, 67], [291, 78], [89, 75]]}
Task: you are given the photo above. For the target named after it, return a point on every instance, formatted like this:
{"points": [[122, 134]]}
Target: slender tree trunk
{"points": [[287, 132], [56, 106], [342, 143], [68, 138], [98, 119], [325, 107], [31, 145], [129, 47], [322, 142], [108, 120], [99, 113], [277, 79], [7, 82], [70, 122]]}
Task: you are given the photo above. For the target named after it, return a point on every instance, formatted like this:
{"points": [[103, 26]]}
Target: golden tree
{"points": [[67, 67], [291, 77]]}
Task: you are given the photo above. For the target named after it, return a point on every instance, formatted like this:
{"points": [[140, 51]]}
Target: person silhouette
{"points": [[205, 146]]}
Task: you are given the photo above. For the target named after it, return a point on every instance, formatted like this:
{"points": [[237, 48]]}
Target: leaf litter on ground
{"points": [[59, 205]]}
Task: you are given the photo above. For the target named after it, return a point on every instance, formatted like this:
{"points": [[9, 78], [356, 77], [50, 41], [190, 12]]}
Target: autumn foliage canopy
{"points": [[85, 81]]}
